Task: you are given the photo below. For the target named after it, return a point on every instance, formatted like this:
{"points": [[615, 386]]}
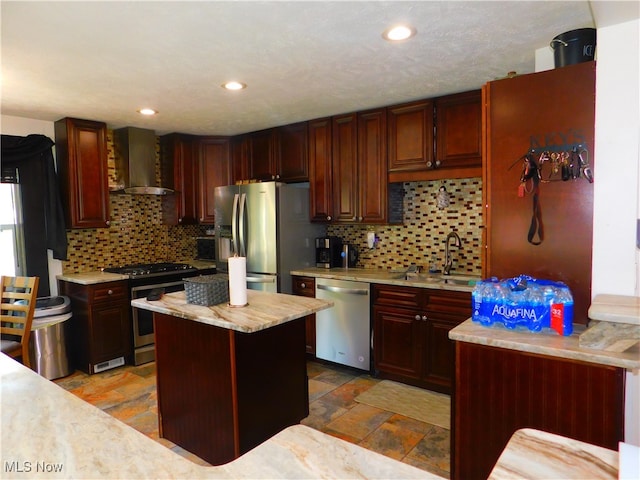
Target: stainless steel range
{"points": [[143, 278]]}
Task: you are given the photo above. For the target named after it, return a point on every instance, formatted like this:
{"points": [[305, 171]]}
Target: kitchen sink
{"points": [[459, 279]]}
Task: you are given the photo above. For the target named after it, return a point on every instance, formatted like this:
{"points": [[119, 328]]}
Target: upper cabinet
{"points": [[348, 168], [214, 170], [261, 155], [454, 151], [193, 166], [410, 137], [272, 154], [459, 130], [81, 154], [292, 159], [320, 174], [178, 169]]}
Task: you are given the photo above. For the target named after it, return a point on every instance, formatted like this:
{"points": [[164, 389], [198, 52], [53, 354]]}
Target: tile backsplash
{"points": [[137, 235], [421, 237]]}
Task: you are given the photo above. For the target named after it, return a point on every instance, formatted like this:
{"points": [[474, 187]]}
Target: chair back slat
{"points": [[17, 307]]}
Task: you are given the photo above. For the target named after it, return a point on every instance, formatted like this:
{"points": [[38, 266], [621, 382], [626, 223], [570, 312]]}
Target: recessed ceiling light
{"points": [[147, 111], [398, 33], [234, 85]]}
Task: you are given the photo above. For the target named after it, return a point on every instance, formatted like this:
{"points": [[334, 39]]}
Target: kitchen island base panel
{"points": [[222, 392], [499, 391]]}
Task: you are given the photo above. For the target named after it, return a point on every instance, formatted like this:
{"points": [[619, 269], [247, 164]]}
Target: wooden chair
{"points": [[18, 305]]}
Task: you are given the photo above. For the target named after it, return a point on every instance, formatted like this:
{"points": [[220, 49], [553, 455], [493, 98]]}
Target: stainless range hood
{"points": [[135, 158]]}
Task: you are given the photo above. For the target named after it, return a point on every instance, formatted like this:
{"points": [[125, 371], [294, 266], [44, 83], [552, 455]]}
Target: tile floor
{"points": [[129, 394]]}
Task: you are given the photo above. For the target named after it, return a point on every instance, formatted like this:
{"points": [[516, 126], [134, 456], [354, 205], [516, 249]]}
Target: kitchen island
{"points": [[512, 379], [230, 378]]}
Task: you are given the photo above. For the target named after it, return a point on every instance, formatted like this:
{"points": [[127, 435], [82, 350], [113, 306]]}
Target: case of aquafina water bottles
{"points": [[524, 301]]}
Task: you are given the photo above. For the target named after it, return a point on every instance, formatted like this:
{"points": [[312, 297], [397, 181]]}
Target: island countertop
{"points": [[264, 310], [544, 343]]}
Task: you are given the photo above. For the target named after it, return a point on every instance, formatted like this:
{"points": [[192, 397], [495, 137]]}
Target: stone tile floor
{"points": [[129, 394]]}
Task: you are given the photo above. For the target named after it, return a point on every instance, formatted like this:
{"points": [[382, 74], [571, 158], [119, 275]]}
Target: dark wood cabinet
{"points": [[320, 170], [81, 156], [359, 168], [344, 160], [214, 170], [306, 287], [261, 154], [178, 167], [222, 392], [567, 98], [459, 131], [292, 159], [411, 327], [372, 167], [101, 324], [499, 391], [416, 153], [239, 163], [410, 138]]}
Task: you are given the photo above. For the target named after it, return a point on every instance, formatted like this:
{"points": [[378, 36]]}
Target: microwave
{"points": [[206, 248]]}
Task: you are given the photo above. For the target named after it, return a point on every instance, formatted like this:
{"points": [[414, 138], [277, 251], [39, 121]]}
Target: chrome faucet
{"points": [[448, 261]]}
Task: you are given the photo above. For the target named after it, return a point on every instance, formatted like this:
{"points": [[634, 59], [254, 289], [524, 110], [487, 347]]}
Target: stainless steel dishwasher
{"points": [[343, 331]]}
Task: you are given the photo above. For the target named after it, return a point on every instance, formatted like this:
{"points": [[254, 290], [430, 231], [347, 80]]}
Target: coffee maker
{"points": [[328, 252]]}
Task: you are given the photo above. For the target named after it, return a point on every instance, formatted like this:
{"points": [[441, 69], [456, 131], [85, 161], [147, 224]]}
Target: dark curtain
{"points": [[43, 218]]}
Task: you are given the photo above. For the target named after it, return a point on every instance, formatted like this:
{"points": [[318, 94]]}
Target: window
{"points": [[12, 259]]}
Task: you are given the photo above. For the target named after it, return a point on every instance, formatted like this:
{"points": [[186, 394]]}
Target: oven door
{"points": [[143, 319]]}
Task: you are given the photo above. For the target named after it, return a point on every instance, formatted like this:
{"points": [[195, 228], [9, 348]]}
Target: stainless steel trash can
{"points": [[48, 342]]}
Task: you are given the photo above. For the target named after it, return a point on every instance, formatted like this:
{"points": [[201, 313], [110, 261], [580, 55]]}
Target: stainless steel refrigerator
{"points": [[268, 223]]}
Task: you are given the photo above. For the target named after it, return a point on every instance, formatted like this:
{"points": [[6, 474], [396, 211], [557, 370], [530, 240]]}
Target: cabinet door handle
{"points": [[109, 292], [359, 219], [429, 164], [303, 285], [329, 217], [438, 163], [424, 317], [108, 222], [417, 317]]}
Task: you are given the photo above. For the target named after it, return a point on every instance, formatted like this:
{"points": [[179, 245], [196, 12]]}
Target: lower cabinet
{"points": [[498, 391], [101, 323], [411, 334], [306, 287]]}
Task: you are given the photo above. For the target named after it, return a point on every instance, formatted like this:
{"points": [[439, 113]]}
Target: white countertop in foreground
{"points": [[48, 432], [544, 343], [533, 454], [264, 310]]}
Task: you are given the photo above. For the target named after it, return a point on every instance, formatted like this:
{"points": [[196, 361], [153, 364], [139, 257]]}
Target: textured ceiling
{"points": [[300, 60]]}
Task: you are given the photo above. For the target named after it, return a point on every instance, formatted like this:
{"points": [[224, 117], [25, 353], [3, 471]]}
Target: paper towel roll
{"points": [[237, 281]]}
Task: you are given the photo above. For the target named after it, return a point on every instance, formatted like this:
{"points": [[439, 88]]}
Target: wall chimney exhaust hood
{"points": [[135, 158]]}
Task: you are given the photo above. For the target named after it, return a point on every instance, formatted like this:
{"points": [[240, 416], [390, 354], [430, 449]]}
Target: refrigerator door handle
{"points": [[242, 225], [234, 224]]}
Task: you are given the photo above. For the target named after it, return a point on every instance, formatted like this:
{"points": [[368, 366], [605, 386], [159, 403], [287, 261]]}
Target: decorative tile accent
{"points": [[136, 233], [421, 237]]}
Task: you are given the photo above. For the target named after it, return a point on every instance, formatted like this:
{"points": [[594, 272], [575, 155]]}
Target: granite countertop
{"points": [[98, 276], [48, 432], [615, 308], [544, 343], [264, 310], [461, 283], [533, 454]]}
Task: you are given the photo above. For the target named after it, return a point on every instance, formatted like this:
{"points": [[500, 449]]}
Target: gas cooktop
{"points": [[142, 269]]}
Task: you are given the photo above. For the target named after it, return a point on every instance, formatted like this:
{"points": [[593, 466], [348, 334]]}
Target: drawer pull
{"points": [[417, 317], [303, 285], [110, 292]]}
